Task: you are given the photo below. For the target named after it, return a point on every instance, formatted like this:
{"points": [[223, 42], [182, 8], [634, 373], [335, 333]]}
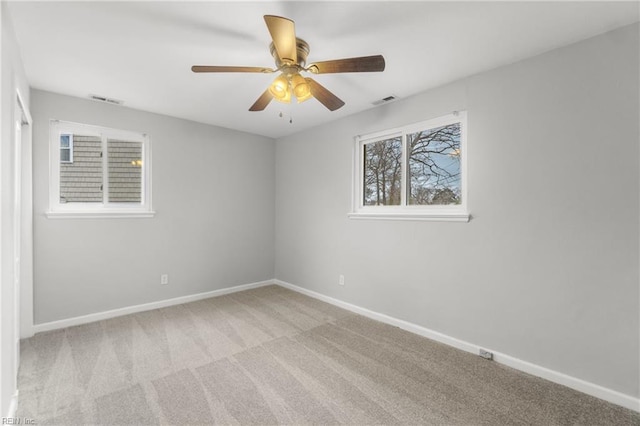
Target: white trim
{"points": [[100, 214], [25, 110], [580, 385], [17, 239], [457, 213], [13, 406], [405, 325], [104, 209], [404, 172], [99, 316], [575, 383], [26, 274], [428, 216]]}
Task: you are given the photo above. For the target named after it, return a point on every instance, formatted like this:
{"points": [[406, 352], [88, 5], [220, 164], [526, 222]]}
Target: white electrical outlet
{"points": [[164, 279], [341, 280]]}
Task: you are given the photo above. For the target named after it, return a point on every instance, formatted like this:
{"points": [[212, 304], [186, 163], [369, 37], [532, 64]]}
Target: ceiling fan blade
{"points": [[326, 98], [283, 34], [262, 101], [209, 68], [363, 64]]}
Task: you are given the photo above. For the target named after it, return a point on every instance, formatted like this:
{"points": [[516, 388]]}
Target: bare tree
{"points": [[434, 166], [382, 172], [433, 169]]}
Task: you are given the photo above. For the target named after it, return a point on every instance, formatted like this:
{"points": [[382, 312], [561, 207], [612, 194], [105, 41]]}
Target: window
{"points": [[413, 172], [100, 172], [66, 148]]}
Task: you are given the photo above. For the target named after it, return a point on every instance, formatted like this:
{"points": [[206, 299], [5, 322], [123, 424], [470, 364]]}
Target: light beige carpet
{"points": [[273, 356]]}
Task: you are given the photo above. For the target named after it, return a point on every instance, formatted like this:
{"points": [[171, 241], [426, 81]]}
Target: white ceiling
{"points": [[142, 52]]}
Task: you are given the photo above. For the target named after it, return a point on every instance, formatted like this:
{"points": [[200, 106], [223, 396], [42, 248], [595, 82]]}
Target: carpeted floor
{"points": [[273, 356]]}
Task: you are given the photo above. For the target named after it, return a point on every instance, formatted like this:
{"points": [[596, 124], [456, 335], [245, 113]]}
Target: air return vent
{"points": [[105, 99], [388, 99]]}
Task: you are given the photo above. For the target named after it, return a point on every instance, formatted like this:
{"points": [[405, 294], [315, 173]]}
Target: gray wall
{"points": [[213, 191], [547, 269]]}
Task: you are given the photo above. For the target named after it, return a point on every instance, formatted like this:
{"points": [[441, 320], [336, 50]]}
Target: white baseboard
{"points": [[580, 385], [13, 406], [99, 316]]}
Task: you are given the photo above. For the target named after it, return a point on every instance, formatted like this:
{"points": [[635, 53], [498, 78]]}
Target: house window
{"points": [[413, 172], [66, 148], [100, 172]]}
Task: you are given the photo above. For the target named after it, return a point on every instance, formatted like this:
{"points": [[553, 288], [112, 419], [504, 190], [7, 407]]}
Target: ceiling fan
{"points": [[290, 54]]}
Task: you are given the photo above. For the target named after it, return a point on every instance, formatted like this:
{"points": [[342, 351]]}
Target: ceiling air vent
{"points": [[388, 99], [105, 99]]}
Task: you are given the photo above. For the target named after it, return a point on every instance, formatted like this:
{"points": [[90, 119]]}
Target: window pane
{"points": [[65, 155], [125, 171], [382, 172], [81, 181], [64, 141], [434, 166]]}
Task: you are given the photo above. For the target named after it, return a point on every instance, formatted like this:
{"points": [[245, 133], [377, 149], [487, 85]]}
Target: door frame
{"points": [[24, 298]]}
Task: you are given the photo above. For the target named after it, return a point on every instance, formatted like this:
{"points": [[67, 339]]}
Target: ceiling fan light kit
{"points": [[280, 88], [301, 88], [290, 54]]}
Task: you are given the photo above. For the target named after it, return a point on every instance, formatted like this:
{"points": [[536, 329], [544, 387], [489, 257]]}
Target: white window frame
{"points": [[451, 213], [70, 148], [105, 209]]}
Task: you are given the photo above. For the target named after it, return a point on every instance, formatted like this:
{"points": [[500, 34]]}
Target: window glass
{"points": [[81, 180], [413, 172], [383, 172], [99, 172], [65, 148], [434, 166], [125, 171]]}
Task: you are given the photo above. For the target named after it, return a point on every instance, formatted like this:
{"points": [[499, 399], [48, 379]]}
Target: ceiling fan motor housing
{"points": [[302, 50]]}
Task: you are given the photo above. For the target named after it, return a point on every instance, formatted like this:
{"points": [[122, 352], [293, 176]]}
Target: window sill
{"points": [[423, 216], [102, 214]]}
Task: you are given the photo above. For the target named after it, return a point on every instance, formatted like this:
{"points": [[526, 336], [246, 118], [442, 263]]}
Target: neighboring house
{"points": [[81, 163]]}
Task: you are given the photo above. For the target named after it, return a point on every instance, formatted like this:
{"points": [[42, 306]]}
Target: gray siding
{"points": [[125, 176], [81, 180]]}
